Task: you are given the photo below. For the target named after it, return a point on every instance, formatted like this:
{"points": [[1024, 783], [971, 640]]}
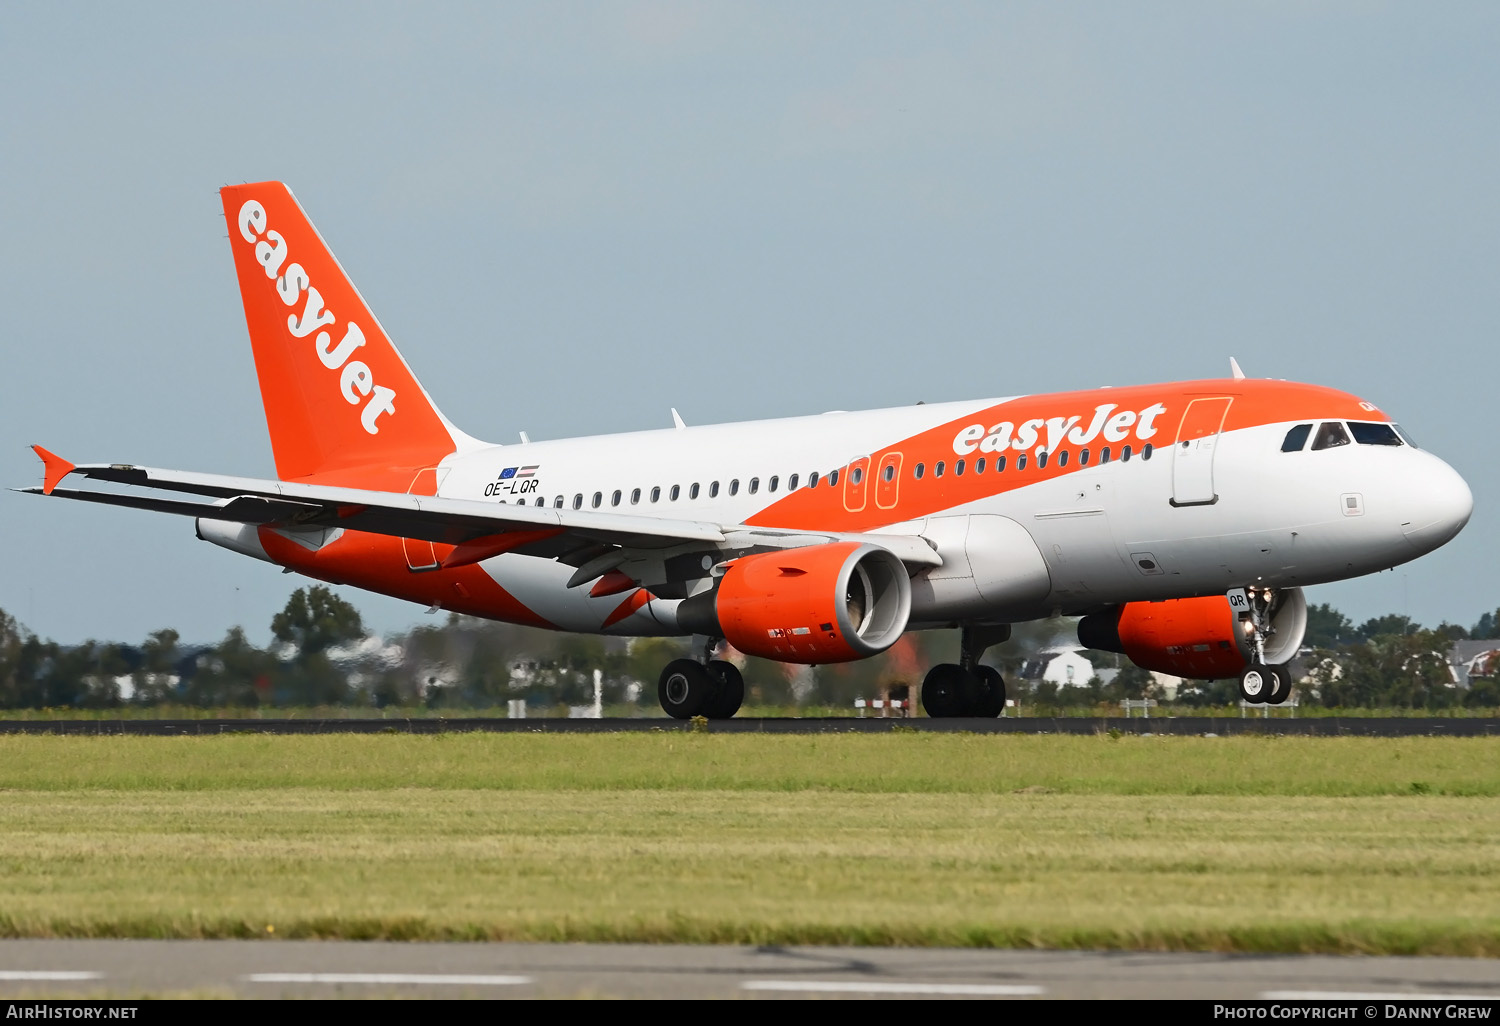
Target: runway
{"points": [[1219, 726], [282, 969]]}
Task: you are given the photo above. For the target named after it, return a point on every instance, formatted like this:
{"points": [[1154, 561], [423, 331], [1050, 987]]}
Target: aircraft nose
{"points": [[1436, 506]]}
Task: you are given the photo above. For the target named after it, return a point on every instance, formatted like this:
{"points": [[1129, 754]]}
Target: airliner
{"points": [[1180, 522]]}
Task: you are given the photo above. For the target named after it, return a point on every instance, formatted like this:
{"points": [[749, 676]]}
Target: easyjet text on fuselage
{"points": [[1107, 421]]}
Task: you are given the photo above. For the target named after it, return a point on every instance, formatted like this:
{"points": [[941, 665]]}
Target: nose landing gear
{"points": [[1261, 682], [965, 688]]}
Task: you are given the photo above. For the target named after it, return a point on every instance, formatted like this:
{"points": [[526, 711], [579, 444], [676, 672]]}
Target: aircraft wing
{"points": [[593, 542]]}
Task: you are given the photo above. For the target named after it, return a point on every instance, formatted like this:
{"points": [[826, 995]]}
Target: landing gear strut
{"points": [[1261, 682], [966, 688], [710, 687]]}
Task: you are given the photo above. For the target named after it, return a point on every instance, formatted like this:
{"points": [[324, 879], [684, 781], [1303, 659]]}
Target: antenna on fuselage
{"points": [[677, 419], [1234, 368]]}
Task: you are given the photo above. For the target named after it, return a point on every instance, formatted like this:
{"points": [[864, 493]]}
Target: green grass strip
{"points": [[884, 763], [1344, 845]]}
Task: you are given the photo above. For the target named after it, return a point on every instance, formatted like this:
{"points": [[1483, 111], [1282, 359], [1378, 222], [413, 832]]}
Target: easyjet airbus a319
{"points": [[1180, 521]]}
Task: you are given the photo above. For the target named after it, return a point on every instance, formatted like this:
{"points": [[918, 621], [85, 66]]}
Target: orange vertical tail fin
{"points": [[341, 404]]}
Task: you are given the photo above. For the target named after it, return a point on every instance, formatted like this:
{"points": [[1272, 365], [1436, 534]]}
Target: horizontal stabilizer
{"points": [[54, 468]]}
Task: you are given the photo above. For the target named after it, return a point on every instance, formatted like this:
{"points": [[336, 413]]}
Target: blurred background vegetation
{"points": [[321, 660]]}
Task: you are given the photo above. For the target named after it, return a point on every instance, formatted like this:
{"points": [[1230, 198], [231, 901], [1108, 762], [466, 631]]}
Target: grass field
{"points": [[1246, 844]]}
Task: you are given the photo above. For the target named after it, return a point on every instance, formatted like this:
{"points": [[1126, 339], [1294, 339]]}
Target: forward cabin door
{"points": [[1193, 455]]}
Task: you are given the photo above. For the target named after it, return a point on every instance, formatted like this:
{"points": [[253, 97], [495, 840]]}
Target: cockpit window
{"points": [[1405, 436], [1296, 438], [1374, 434], [1330, 435]]}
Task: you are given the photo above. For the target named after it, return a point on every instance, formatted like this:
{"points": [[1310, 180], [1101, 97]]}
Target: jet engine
{"points": [[1201, 638], [829, 603]]}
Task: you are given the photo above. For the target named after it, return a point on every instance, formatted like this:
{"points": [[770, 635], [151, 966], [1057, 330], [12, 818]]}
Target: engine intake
{"points": [[1197, 638], [829, 603]]}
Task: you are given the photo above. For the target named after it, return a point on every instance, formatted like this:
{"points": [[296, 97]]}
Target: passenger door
{"points": [[419, 553], [1193, 455]]}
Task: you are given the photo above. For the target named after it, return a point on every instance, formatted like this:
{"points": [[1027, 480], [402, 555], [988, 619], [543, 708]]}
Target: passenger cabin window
{"points": [[999, 464], [958, 469], [656, 493], [937, 471], [693, 490], [979, 467], [1125, 454], [771, 485], [734, 486], [1374, 434], [920, 470], [1104, 455], [540, 501], [833, 479], [675, 492], [1062, 458], [812, 479], [614, 500], [1021, 462], [598, 498], [1296, 438], [1083, 457], [1330, 435], [635, 496], [713, 489], [578, 501], [754, 485], [857, 475], [557, 502], [1041, 460], [889, 472], [791, 483], [1147, 450]]}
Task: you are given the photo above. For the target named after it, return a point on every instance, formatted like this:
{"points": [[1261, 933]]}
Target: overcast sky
{"points": [[572, 217]]}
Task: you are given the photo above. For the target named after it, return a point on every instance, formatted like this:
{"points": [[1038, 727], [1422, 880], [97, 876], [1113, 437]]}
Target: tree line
{"points": [[321, 655]]}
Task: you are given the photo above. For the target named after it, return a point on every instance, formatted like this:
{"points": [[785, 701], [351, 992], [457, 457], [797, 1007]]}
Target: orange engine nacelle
{"points": [[1199, 638], [819, 604]]}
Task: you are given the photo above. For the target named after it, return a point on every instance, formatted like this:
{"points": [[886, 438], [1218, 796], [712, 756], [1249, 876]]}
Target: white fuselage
{"points": [[1070, 543]]}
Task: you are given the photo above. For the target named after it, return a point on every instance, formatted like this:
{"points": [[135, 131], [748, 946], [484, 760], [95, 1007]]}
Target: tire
{"points": [[948, 691], [990, 698], [730, 693], [685, 688], [1283, 689], [1257, 683]]}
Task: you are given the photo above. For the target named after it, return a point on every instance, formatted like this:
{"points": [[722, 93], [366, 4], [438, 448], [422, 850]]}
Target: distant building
{"points": [[1478, 657], [1167, 685], [1065, 667]]}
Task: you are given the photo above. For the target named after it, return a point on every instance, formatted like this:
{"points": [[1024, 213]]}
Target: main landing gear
{"points": [[710, 687], [965, 688], [1261, 682]]}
